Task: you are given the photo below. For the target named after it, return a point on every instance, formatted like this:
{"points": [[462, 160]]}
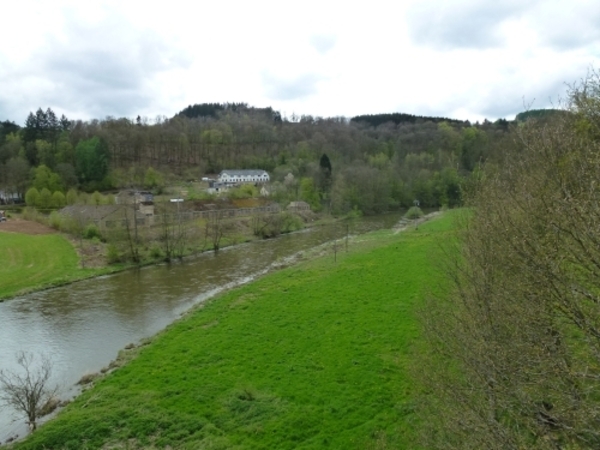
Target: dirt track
{"points": [[25, 227]]}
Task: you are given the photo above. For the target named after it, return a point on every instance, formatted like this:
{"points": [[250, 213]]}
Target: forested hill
{"points": [[397, 118], [213, 110], [372, 168], [539, 114]]}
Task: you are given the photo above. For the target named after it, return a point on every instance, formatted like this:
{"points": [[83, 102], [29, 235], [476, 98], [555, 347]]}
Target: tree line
{"points": [[374, 165]]}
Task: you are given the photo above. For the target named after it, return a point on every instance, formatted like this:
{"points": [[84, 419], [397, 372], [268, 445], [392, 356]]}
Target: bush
{"points": [[55, 220], [156, 252], [91, 231], [414, 213], [112, 254]]}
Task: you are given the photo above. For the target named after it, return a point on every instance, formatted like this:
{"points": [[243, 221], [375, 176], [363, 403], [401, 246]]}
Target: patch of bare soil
{"points": [[14, 225], [92, 254]]}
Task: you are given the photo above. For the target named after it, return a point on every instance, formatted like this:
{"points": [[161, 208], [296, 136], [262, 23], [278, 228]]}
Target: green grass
{"points": [[31, 263], [314, 356]]}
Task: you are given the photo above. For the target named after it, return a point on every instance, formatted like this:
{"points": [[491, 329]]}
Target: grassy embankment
{"points": [[313, 356], [31, 263]]}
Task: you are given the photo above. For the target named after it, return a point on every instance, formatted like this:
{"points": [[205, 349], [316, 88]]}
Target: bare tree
{"points": [[516, 333], [27, 389]]}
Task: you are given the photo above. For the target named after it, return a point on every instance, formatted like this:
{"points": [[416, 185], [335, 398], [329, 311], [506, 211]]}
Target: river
{"points": [[82, 326]]}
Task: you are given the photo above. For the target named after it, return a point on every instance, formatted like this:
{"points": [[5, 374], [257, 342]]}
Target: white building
{"points": [[243, 176]]}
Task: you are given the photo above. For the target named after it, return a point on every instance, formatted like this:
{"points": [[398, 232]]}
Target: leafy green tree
{"points": [[32, 197], [17, 174], [96, 198], [309, 194], [65, 153], [58, 199], [153, 179], [45, 178], [45, 153], [71, 197], [45, 199], [11, 148], [67, 174], [92, 159]]}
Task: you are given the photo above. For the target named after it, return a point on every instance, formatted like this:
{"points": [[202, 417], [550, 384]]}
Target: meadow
{"points": [[319, 355], [33, 262]]}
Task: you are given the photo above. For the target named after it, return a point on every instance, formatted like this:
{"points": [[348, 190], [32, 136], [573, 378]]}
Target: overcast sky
{"points": [[460, 59]]}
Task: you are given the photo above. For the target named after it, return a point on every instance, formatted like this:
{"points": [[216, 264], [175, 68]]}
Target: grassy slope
{"points": [[33, 262], [314, 356]]}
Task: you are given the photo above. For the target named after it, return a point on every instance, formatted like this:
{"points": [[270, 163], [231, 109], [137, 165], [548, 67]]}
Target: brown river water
{"points": [[81, 327]]}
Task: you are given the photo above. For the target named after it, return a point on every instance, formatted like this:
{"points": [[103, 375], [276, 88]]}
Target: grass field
{"points": [[310, 357], [32, 262]]}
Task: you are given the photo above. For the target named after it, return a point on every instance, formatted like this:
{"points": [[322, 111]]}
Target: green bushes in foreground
{"points": [[314, 356]]}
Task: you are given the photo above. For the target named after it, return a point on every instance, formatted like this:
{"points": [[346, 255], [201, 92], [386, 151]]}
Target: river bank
{"points": [[270, 344], [84, 325], [42, 261]]}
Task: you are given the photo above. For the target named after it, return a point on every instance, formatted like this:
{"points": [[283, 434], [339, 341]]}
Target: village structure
{"points": [[231, 178]]}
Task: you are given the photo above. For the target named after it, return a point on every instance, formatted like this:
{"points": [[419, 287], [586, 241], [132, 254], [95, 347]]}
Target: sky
{"points": [[467, 60]]}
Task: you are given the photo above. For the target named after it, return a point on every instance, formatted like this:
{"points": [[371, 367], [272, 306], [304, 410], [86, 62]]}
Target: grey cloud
{"points": [[578, 29], [323, 43], [278, 88], [470, 24], [104, 69]]}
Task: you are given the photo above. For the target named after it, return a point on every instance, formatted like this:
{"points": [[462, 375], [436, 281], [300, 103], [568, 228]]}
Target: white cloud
{"points": [[466, 59]]}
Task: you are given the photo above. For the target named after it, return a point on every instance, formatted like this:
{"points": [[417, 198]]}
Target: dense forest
{"points": [[377, 162]]}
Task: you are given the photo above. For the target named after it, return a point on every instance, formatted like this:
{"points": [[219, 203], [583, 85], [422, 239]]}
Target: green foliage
{"points": [[309, 194], [44, 199], [91, 231], [92, 158], [45, 178], [318, 367], [414, 212], [154, 180], [244, 191], [71, 197], [55, 220], [113, 255], [32, 197], [96, 199], [58, 200], [538, 114]]}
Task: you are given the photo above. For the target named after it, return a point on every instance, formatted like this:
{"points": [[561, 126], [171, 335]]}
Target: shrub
{"points": [[91, 231], [55, 220], [156, 252], [414, 213], [112, 254]]}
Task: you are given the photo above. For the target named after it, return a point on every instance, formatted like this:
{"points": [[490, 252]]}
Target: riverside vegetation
{"points": [[316, 355]]}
